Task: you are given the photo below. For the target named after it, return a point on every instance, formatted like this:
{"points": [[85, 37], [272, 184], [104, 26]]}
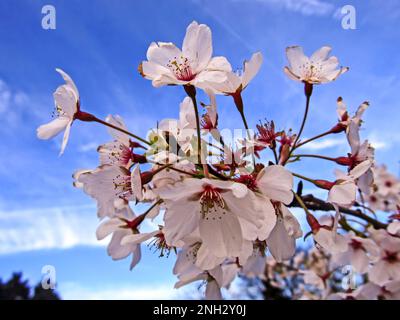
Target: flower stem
{"points": [[303, 177], [301, 203], [191, 92], [314, 138], [275, 155], [312, 156], [302, 123], [237, 98], [121, 130]]}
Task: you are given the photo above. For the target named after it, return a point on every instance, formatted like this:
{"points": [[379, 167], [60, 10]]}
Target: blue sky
{"points": [[44, 220]]}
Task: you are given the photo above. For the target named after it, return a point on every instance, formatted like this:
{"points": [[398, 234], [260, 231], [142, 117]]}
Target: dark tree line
{"points": [[16, 288]]}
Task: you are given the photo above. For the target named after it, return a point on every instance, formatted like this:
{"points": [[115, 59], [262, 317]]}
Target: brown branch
{"points": [[316, 204]]}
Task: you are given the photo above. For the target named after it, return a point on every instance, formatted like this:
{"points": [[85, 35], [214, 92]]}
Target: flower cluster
{"points": [[222, 209]]}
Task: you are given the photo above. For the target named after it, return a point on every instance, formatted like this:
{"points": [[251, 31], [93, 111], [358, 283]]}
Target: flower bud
{"points": [[344, 161], [324, 184]]}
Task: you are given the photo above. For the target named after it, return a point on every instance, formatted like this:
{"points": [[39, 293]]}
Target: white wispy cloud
{"points": [[161, 291], [72, 291], [325, 144], [47, 228], [11, 102], [305, 7], [88, 147]]}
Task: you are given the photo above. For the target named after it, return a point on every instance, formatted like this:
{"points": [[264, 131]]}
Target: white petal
{"points": [[343, 194], [221, 233], [99, 184], [291, 223], [251, 68], [291, 75], [361, 110], [65, 101], [379, 273], [65, 137], [136, 183], [297, 59], [53, 128], [162, 53], [321, 54], [187, 117], [181, 190], [138, 237], [152, 70], [118, 135], [331, 241], [69, 82], [360, 261], [197, 45], [353, 137], [341, 108], [276, 183], [117, 251], [136, 256], [360, 169], [181, 219], [394, 228], [219, 64], [186, 280], [205, 260], [280, 244], [108, 227]]}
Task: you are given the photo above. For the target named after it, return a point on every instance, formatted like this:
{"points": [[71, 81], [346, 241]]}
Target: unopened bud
{"points": [[313, 223], [324, 184], [344, 161], [284, 153]]}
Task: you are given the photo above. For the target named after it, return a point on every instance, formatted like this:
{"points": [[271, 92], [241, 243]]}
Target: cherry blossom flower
{"points": [[343, 192], [157, 236], [345, 119], [215, 279], [314, 70], [193, 65], [66, 99], [214, 207], [122, 224], [360, 153], [387, 266], [195, 256], [267, 135], [109, 185], [387, 184], [210, 118], [119, 151], [359, 254], [326, 236], [183, 129]]}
